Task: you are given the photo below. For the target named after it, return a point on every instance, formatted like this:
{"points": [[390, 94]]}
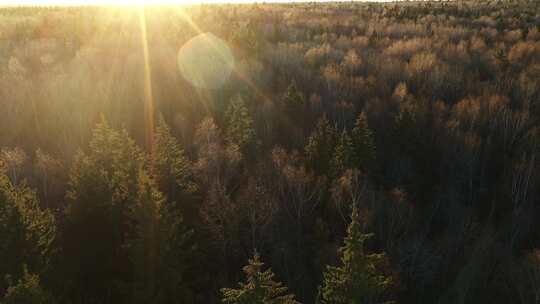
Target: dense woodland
{"points": [[357, 153]]}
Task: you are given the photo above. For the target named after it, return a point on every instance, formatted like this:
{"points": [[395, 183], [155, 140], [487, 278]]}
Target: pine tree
{"points": [[176, 252], [358, 279], [143, 244], [239, 124], [259, 288], [171, 169], [27, 233], [292, 123], [103, 190], [321, 145], [27, 290], [125, 241], [294, 100], [404, 131], [362, 139], [159, 247], [343, 156]]}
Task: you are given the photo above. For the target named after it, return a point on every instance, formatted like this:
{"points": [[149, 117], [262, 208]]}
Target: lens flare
{"points": [[206, 61]]}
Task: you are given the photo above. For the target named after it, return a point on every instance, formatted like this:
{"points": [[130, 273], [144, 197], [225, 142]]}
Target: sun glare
{"points": [[110, 2]]}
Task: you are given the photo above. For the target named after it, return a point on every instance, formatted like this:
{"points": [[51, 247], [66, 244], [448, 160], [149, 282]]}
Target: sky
{"points": [[122, 2]]}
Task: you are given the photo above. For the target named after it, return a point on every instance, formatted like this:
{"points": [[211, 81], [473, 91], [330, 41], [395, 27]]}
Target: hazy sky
{"points": [[124, 2]]}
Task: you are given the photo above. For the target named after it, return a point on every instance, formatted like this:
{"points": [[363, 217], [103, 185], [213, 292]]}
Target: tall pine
{"points": [[27, 290], [122, 242], [259, 287], [172, 170], [239, 125], [363, 144], [320, 147], [27, 232], [343, 157], [358, 279], [103, 190], [174, 211]]}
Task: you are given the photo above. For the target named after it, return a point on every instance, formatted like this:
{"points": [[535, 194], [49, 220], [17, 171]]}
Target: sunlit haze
{"points": [[129, 2], [107, 2]]}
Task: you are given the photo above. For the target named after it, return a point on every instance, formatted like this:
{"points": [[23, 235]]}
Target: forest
{"points": [[331, 153]]}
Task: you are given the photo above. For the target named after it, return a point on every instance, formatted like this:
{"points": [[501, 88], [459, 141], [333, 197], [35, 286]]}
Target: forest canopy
{"points": [[288, 153]]}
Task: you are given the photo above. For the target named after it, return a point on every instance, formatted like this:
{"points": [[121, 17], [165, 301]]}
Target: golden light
{"points": [[206, 61], [111, 2]]}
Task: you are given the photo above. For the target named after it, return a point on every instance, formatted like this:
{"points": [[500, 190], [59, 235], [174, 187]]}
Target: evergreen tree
{"points": [[143, 243], [171, 169], [363, 145], [159, 247], [343, 156], [259, 288], [27, 291], [294, 100], [321, 145], [404, 132], [103, 189], [358, 279], [239, 124], [173, 174], [27, 233], [122, 241], [290, 118], [175, 275]]}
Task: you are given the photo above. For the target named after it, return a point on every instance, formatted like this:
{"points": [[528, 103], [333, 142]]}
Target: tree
{"points": [[363, 145], [122, 240], [295, 122], [159, 247], [258, 208], [27, 233], [166, 239], [50, 173], [321, 145], [239, 124], [13, 159], [294, 100], [172, 170], [343, 156], [358, 279], [259, 288], [27, 291], [176, 249], [217, 162], [103, 189]]}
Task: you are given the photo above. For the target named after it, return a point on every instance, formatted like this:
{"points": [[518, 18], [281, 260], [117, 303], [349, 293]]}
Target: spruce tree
{"points": [[172, 172], [259, 287], [171, 169], [321, 145], [358, 279], [362, 139], [239, 124], [144, 240], [103, 190], [27, 290], [294, 100], [123, 242], [27, 233], [343, 156]]}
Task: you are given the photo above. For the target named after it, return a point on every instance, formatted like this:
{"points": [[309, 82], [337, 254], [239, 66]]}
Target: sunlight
{"points": [[206, 61], [111, 2], [148, 98], [93, 2]]}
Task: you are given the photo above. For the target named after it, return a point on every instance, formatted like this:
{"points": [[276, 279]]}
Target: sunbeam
{"points": [[148, 97]]}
